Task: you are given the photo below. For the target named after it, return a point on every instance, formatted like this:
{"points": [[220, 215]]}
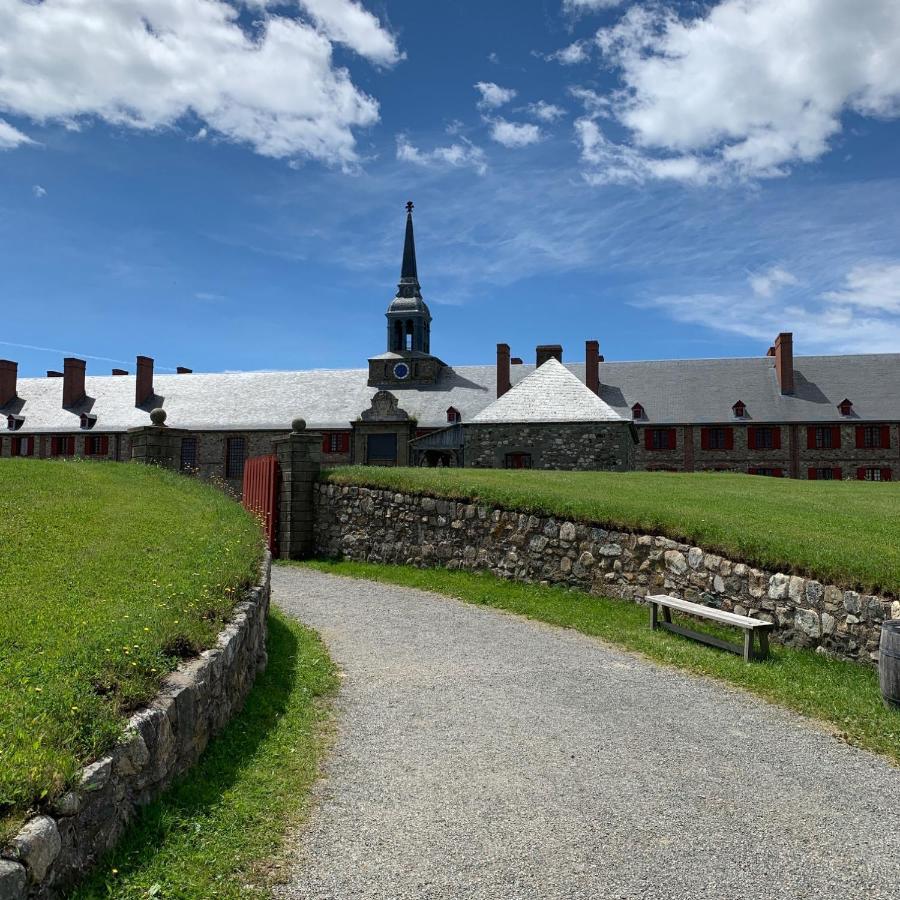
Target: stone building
{"points": [[821, 417]]}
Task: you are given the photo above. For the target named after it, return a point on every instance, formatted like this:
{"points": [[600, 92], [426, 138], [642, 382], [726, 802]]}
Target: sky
{"points": [[221, 184]]}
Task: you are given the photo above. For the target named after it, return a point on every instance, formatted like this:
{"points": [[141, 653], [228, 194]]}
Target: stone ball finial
{"points": [[158, 416], [298, 425]]}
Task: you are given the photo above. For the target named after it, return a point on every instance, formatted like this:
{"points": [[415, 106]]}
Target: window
{"points": [[763, 437], [845, 407], [62, 446], [96, 445], [872, 474], [188, 454], [659, 439], [518, 461], [718, 438], [454, 415], [14, 423], [739, 409], [873, 436], [21, 446], [824, 474], [88, 421], [637, 411], [823, 437], [234, 457], [336, 442]]}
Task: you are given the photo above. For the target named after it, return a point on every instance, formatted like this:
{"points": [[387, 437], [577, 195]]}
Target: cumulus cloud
{"points": [[11, 137], [38, 191], [546, 112], [732, 88], [492, 95], [766, 284], [514, 134], [145, 64], [571, 55], [873, 286], [581, 6], [460, 154]]}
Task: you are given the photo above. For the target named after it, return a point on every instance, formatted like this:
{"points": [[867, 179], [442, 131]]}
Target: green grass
{"points": [[218, 832], [111, 574], [844, 532], [842, 694]]}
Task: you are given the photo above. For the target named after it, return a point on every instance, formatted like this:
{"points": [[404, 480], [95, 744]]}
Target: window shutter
{"points": [[104, 445], [326, 442], [836, 474], [345, 442], [751, 471], [31, 446], [885, 474], [778, 473], [885, 437], [810, 438], [861, 473], [54, 446], [860, 437], [776, 438], [704, 439], [70, 446], [648, 438], [811, 475], [836, 437], [673, 439], [729, 438], [751, 437]]}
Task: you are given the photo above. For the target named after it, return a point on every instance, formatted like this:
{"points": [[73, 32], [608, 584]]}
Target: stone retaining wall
{"points": [[162, 741], [382, 526]]}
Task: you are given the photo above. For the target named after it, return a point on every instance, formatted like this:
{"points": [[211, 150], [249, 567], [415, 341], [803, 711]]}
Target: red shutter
{"points": [[836, 437], [811, 475], [704, 439], [673, 439], [648, 438], [729, 438], [836, 474], [751, 437], [860, 437], [810, 438], [70, 446], [751, 471], [104, 445], [778, 473], [861, 474], [54, 446], [31, 446], [885, 474], [776, 438], [345, 442], [885, 437], [326, 442]]}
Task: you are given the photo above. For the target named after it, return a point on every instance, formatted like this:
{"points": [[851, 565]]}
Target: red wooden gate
{"points": [[260, 494]]}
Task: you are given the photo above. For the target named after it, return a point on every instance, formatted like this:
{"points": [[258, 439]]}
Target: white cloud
{"points": [[546, 112], [579, 6], [38, 191], [862, 317], [514, 134], [766, 284], [735, 87], [145, 64], [11, 137], [492, 95], [494, 58], [571, 55], [460, 154], [594, 104]]}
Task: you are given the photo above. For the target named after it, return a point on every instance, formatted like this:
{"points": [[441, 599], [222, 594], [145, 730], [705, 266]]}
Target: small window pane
{"points": [[188, 454], [234, 458]]}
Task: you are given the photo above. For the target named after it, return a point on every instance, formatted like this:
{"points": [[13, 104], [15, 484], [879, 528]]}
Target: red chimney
{"points": [[120, 371], [503, 382], [8, 372], [784, 361], [546, 351], [143, 389], [52, 373], [183, 370], [592, 365], [73, 381]]}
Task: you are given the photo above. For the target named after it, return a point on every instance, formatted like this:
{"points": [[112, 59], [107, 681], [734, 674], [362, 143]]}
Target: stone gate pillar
{"points": [[157, 444], [299, 458]]}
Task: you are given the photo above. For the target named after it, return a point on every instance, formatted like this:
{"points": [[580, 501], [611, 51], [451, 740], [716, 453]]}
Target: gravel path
{"points": [[481, 755]]}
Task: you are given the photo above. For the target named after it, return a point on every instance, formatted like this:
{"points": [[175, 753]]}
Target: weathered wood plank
{"points": [[708, 612]]}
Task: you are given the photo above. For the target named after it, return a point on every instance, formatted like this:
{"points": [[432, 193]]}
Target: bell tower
{"points": [[408, 360]]}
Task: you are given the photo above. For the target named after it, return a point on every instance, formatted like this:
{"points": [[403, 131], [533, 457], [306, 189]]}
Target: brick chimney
{"points": [[548, 351], [183, 370], [73, 381], [592, 366], [784, 361], [143, 389], [120, 371], [8, 372], [52, 373], [503, 382]]}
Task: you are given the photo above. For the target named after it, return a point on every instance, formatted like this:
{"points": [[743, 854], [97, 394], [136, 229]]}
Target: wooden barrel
{"points": [[889, 663]]}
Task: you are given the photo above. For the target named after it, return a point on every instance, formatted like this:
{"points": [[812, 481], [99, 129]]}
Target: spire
{"points": [[408, 273]]}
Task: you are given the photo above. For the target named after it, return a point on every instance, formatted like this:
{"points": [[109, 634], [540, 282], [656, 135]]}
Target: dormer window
{"points": [[14, 423], [637, 412], [739, 409], [454, 415], [88, 421], [845, 407]]}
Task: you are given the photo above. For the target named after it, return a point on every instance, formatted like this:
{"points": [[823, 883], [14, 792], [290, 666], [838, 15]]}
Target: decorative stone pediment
{"points": [[385, 408]]}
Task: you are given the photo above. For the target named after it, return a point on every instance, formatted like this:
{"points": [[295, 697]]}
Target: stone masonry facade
{"points": [[383, 526], [557, 445], [161, 741]]}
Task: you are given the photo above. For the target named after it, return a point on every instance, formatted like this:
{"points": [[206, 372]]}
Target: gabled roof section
{"points": [[551, 393]]}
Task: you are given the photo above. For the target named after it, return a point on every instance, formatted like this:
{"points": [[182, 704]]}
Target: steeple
{"points": [[408, 273], [409, 320]]}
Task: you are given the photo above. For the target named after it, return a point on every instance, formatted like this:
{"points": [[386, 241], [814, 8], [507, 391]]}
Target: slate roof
{"points": [[671, 392], [550, 393]]}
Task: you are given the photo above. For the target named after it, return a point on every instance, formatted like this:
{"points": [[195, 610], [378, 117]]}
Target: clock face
{"points": [[401, 370]]}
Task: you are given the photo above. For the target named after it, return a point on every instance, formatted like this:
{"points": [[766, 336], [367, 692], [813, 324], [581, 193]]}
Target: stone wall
{"points": [[556, 445], [382, 526], [161, 741]]}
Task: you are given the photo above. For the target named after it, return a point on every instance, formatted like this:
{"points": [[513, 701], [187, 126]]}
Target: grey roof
{"points": [[671, 391], [550, 393]]}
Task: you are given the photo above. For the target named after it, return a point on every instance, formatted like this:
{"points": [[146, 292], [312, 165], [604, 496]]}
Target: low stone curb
{"points": [[162, 741], [375, 525]]}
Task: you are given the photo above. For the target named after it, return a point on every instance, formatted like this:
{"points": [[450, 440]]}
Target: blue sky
{"points": [[222, 184]]}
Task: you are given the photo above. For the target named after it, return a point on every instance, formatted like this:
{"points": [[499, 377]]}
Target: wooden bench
{"points": [[749, 626]]}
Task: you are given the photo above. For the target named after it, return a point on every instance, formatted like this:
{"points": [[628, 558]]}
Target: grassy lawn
{"points": [[218, 832], [842, 694], [843, 532], [111, 575]]}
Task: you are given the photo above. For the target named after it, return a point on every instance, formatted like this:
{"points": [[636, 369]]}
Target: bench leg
{"points": [[748, 645], [667, 615], [653, 615], [764, 645]]}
